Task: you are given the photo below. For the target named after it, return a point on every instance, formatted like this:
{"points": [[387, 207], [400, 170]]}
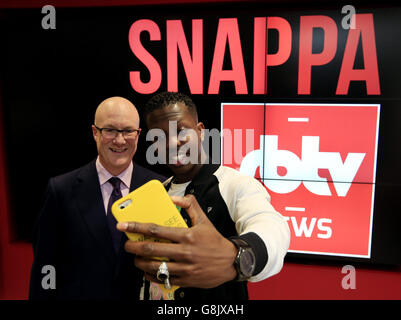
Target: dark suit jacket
{"points": [[72, 235]]}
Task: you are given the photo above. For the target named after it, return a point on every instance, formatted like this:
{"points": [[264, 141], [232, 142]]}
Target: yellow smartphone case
{"points": [[150, 203]]}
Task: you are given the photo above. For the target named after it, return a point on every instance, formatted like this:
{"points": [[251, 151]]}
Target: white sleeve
{"points": [[249, 205]]}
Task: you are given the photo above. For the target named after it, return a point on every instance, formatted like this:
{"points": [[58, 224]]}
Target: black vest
{"points": [[205, 187]]}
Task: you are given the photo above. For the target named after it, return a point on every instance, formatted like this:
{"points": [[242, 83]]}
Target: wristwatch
{"points": [[245, 260]]}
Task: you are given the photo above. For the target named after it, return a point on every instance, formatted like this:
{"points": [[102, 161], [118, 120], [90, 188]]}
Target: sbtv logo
{"points": [[318, 163]]}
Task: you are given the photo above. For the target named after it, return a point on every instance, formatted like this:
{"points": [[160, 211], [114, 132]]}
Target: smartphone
{"points": [[150, 203]]}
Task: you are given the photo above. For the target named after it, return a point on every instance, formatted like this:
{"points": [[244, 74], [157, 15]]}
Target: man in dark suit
{"points": [[75, 236]]}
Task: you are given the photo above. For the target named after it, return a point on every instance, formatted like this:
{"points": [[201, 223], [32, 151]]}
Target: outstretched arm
{"points": [[200, 256]]}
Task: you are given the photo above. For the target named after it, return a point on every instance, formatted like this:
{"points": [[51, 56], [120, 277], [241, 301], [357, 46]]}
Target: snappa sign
{"points": [[228, 42]]}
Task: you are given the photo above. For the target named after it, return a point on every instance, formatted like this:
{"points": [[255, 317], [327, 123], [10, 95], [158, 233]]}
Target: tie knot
{"points": [[115, 182]]}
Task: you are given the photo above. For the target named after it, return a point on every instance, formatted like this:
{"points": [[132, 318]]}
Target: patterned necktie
{"points": [[115, 195]]}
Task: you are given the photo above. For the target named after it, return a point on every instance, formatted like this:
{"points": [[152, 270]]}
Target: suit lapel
{"points": [[138, 177], [88, 196], [89, 200]]}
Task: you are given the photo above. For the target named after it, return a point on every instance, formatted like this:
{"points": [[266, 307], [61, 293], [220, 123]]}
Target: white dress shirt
{"points": [[106, 187]]}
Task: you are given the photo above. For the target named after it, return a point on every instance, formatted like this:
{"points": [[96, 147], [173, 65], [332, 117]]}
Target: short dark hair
{"points": [[165, 99]]}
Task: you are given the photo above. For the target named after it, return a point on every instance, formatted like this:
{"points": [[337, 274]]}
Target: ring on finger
{"points": [[163, 275]]}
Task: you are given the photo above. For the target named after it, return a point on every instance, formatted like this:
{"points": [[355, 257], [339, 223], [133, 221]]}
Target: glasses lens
{"points": [[109, 133], [130, 133]]}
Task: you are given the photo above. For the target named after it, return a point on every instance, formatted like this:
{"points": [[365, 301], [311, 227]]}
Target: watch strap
{"points": [[242, 246]]}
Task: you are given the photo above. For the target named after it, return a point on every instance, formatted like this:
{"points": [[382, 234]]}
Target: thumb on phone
{"points": [[192, 207]]}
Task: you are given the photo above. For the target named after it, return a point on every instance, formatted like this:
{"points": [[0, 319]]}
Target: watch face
{"points": [[247, 263]]}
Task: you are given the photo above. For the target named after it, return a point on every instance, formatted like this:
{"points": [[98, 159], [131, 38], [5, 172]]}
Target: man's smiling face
{"points": [[115, 154], [184, 120]]}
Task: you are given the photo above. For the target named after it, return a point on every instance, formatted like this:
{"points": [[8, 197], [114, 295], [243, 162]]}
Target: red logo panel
{"points": [[317, 161]]}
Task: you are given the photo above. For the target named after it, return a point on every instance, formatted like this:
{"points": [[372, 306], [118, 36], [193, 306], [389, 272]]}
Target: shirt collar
{"points": [[104, 175]]}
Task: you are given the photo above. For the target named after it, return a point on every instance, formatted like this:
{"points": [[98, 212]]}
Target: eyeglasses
{"points": [[110, 133]]}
